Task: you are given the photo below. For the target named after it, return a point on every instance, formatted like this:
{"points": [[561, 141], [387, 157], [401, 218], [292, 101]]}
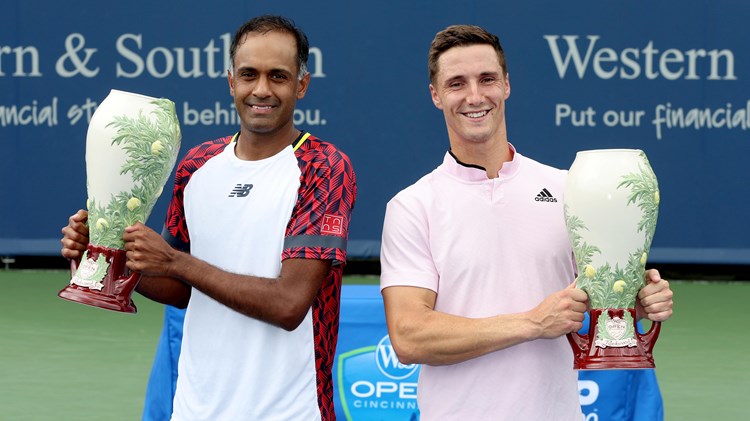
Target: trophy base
{"points": [[610, 362], [102, 280], [94, 298], [596, 352]]}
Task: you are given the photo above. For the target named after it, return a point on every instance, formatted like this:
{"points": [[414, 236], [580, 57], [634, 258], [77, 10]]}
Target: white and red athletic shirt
{"points": [[487, 247], [246, 217]]}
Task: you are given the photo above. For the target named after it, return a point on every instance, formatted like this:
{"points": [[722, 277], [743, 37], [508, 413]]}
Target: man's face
{"points": [[471, 89], [264, 84]]}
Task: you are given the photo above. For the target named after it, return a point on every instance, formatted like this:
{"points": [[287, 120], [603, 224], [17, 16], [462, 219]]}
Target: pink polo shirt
{"points": [[487, 247]]}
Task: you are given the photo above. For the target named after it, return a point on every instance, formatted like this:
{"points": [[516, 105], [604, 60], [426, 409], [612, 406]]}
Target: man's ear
{"points": [[507, 86], [231, 82], [302, 86], [435, 97]]}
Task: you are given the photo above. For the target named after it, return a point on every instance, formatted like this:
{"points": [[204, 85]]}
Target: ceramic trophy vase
{"points": [[611, 204], [132, 144]]}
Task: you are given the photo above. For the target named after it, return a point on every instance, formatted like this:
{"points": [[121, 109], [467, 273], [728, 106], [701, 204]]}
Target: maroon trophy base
{"points": [[118, 282], [589, 356]]}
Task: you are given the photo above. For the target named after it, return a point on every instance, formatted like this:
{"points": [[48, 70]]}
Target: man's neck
{"points": [[253, 146], [488, 155]]}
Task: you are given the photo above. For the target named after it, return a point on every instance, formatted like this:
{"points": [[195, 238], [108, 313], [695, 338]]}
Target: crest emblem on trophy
{"points": [[132, 144]]}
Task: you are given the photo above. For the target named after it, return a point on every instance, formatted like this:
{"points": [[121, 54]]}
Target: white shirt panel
{"points": [[243, 233]]}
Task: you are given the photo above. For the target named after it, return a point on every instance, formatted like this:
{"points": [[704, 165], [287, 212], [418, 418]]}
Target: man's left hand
{"points": [[147, 252], [655, 299]]}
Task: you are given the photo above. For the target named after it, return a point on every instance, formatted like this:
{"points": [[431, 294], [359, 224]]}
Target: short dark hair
{"points": [[270, 23], [462, 36]]}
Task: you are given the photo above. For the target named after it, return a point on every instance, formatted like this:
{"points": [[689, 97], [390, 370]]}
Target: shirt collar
{"points": [[473, 172]]}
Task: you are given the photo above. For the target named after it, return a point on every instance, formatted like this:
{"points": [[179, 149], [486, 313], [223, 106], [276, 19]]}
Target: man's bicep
{"points": [[407, 311], [304, 274], [300, 280], [407, 301]]}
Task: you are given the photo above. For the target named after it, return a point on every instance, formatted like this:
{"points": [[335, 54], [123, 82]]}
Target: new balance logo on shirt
{"points": [[545, 196], [241, 190]]}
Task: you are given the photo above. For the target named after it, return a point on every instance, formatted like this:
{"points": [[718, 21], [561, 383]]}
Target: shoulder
{"points": [[417, 195], [320, 155], [199, 155], [208, 149], [538, 169], [315, 149]]}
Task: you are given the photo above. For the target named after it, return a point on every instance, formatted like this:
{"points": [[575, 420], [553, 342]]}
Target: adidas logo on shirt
{"points": [[545, 196], [241, 190]]}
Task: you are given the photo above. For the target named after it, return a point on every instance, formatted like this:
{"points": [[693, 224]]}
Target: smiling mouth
{"points": [[476, 114]]}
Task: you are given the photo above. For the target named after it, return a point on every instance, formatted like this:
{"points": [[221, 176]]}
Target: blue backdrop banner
{"points": [[671, 78]]}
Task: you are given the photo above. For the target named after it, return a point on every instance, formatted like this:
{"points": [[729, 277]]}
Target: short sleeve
{"points": [[405, 256], [175, 230], [319, 226]]}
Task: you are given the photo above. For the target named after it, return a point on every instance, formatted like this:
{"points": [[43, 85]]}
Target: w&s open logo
{"points": [[388, 362], [374, 385]]}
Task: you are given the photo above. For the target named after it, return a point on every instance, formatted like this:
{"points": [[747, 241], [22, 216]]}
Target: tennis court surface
{"points": [[65, 361]]}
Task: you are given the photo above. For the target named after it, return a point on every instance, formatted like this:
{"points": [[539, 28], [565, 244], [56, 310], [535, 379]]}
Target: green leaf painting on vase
{"points": [[151, 145], [616, 287]]}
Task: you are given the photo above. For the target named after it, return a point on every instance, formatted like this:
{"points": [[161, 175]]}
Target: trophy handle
{"points": [[74, 266], [126, 285], [578, 342], [649, 338]]}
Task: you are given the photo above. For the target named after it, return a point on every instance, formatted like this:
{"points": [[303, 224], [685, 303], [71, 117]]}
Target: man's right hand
{"points": [[75, 236], [561, 313]]}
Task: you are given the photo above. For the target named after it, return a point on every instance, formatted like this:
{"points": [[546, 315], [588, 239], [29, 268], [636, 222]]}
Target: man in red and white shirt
{"points": [[254, 245]]}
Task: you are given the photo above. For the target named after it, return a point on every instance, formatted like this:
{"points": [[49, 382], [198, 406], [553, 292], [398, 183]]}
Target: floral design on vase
{"points": [[152, 149], [132, 144], [151, 144], [617, 287]]}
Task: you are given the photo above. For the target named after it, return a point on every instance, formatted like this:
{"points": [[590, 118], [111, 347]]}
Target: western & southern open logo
{"points": [[373, 384]]}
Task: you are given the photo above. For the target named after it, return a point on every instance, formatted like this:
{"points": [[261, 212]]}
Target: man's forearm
{"points": [[164, 290], [437, 338], [283, 301]]}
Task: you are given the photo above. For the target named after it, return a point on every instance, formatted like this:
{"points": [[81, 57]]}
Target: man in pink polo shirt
{"points": [[476, 273]]}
